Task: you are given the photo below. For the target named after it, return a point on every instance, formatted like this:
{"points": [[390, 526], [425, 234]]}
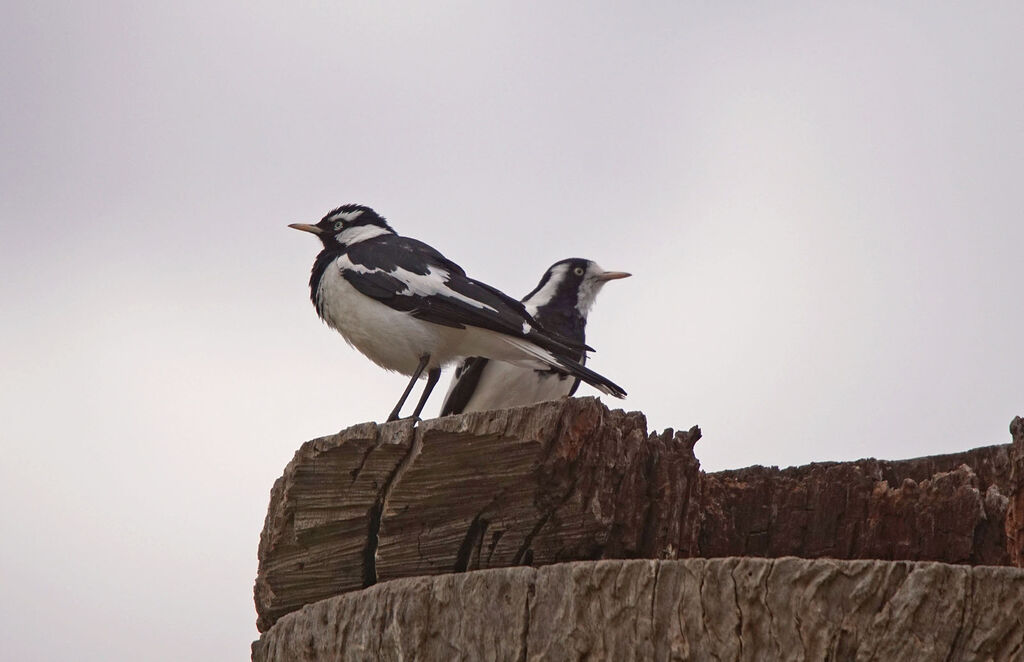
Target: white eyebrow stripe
{"points": [[346, 215]]}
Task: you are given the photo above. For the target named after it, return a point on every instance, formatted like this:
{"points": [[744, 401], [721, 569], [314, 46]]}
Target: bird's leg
{"points": [[408, 389], [432, 378]]}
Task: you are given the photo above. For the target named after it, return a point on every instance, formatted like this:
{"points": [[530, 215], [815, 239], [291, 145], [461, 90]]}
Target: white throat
{"points": [[587, 295], [589, 288]]}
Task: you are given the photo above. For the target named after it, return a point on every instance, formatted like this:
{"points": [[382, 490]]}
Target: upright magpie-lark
{"points": [[560, 303], [409, 309]]}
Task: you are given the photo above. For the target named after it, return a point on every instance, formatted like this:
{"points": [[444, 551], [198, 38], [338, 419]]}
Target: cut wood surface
{"points": [[570, 480], [695, 609]]}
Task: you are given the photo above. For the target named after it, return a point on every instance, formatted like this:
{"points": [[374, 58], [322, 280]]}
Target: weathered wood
{"points": [[558, 481], [1015, 514], [316, 536], [695, 609], [937, 509], [571, 480]]}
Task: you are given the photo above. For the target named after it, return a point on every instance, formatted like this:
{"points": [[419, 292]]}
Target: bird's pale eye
{"points": [[578, 271], [338, 225]]}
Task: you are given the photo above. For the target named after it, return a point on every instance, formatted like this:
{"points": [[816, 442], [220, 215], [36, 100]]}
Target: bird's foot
{"points": [[415, 419]]}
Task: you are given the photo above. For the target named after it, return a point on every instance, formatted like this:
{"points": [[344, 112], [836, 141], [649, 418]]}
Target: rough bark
{"points": [[947, 508], [1015, 514], [695, 609], [570, 480]]}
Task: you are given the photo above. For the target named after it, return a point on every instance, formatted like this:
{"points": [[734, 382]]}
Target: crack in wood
{"points": [[376, 514], [472, 540], [739, 608], [366, 456], [524, 632]]}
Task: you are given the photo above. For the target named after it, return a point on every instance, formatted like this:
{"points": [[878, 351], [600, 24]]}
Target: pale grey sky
{"points": [[821, 207]]}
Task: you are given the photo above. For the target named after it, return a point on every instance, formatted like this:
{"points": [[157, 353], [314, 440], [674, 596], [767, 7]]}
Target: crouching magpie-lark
{"points": [[560, 303], [409, 309]]}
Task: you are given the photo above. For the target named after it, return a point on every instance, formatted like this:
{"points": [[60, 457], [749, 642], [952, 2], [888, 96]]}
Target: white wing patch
{"points": [[345, 263], [433, 283]]}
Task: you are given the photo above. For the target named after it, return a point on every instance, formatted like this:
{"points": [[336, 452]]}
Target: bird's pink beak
{"points": [[613, 275]]}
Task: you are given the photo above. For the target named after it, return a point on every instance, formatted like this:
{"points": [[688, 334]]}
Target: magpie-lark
{"points": [[560, 303], [410, 309]]}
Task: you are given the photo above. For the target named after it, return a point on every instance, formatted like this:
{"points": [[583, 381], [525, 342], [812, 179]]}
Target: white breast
{"points": [[390, 338], [396, 340], [505, 385]]}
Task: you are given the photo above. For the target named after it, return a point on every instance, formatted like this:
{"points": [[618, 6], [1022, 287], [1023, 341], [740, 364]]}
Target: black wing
{"points": [[411, 276]]}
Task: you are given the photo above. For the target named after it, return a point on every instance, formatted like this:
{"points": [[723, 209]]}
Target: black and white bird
{"points": [[560, 303], [410, 309]]}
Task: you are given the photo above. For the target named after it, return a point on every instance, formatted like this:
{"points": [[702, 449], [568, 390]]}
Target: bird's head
{"points": [[572, 283], [347, 225]]}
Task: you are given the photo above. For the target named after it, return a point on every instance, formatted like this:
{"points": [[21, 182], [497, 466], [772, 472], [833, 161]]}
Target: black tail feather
{"points": [[599, 382]]}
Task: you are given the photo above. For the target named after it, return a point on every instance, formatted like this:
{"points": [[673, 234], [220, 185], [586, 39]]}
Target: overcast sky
{"points": [[821, 207]]}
